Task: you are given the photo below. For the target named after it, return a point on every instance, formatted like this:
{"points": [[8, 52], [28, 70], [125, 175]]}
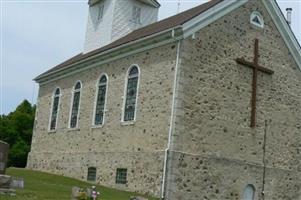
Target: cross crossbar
{"points": [[242, 61]]}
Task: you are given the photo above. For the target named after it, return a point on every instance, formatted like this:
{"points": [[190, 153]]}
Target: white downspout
{"points": [[171, 122]]}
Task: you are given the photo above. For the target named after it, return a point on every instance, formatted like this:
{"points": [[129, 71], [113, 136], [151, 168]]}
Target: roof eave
{"points": [[284, 29], [197, 23], [225, 7], [210, 16], [41, 78]]}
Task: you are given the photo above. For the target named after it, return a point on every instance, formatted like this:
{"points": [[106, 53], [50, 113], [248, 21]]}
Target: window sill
{"points": [[96, 126], [73, 129], [51, 131], [128, 123]]}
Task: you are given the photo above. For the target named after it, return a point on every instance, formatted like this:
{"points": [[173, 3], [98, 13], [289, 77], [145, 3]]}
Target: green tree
{"points": [[18, 154], [16, 129]]}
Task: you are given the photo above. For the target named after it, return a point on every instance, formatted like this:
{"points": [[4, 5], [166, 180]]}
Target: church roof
{"points": [[151, 29], [178, 20]]}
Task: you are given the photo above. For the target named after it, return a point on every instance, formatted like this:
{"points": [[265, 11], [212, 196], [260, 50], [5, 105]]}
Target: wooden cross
{"points": [[256, 67]]}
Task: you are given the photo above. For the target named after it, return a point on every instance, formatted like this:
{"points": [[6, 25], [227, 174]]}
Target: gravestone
{"points": [[137, 198], [75, 192], [5, 180], [17, 183], [4, 148]]}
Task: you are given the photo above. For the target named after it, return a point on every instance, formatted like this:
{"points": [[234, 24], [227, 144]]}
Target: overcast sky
{"points": [[37, 35]]}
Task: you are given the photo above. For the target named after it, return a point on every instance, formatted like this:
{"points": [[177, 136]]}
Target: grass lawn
{"points": [[44, 186]]}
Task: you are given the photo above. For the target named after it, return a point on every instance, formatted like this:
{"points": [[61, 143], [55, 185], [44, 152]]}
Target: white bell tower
{"points": [[109, 20]]}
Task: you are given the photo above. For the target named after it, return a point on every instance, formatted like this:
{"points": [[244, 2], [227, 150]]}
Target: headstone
{"points": [[10, 192], [5, 181], [138, 198], [4, 148], [17, 183], [75, 191]]}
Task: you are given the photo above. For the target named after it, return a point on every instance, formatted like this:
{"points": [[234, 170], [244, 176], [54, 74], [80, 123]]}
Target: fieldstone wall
{"points": [[215, 152], [144, 169], [139, 147]]}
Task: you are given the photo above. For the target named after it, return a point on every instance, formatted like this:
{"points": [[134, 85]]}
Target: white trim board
{"points": [[284, 29], [148, 42], [210, 16]]}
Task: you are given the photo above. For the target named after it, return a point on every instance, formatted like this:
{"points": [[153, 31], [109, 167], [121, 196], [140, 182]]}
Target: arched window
{"points": [[101, 100], [91, 174], [54, 109], [249, 192], [75, 105], [129, 110], [257, 19]]}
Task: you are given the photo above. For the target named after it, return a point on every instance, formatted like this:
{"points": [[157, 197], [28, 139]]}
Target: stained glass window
{"points": [[55, 108], [101, 101], [121, 176], [75, 105], [131, 94]]}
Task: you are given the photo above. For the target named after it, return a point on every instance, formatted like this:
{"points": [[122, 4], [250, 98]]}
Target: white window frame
{"points": [[125, 93], [79, 103], [95, 100], [257, 14], [58, 110]]}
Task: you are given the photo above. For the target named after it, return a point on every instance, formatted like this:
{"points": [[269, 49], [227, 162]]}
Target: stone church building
{"points": [[205, 104]]}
